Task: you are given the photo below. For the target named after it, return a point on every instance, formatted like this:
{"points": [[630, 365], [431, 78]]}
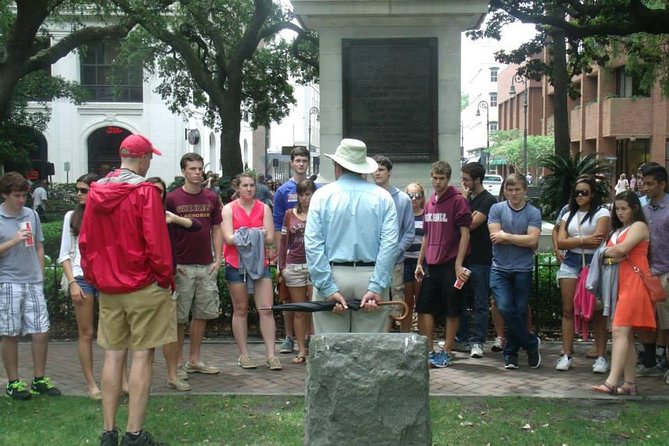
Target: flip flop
{"points": [[299, 360], [605, 388]]}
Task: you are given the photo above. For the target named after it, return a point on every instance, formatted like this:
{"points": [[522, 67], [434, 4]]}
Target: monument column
{"points": [[390, 75]]}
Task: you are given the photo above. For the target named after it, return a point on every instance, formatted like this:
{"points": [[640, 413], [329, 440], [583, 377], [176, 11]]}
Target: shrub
{"points": [[52, 232]]}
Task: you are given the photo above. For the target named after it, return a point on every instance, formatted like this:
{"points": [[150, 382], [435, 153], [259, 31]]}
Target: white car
{"points": [[493, 184]]}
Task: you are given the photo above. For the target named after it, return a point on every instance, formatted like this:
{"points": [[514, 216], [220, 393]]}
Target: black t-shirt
{"points": [[479, 238]]}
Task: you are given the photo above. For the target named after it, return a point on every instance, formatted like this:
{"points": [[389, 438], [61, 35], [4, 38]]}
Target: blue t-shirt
{"points": [[284, 198], [508, 257]]}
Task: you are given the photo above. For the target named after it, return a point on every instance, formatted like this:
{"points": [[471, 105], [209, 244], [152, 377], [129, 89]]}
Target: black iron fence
{"points": [[546, 304]]}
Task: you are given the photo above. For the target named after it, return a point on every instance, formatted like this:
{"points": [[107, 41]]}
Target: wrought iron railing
{"points": [[546, 304]]}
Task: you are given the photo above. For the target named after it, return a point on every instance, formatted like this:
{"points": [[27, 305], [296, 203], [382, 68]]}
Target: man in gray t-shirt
{"points": [[40, 198], [22, 305], [515, 227]]}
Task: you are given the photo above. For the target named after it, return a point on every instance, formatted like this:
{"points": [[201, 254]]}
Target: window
{"points": [[493, 126], [493, 74], [629, 84], [123, 84], [493, 99]]}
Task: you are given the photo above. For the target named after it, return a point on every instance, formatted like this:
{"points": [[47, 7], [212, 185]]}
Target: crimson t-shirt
{"points": [[194, 248]]}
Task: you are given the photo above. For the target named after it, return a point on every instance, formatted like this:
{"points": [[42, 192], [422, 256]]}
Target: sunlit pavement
{"points": [[466, 377]]}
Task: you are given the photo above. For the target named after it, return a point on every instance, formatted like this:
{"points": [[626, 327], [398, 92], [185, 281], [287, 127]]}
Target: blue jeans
{"points": [[511, 291], [479, 287]]}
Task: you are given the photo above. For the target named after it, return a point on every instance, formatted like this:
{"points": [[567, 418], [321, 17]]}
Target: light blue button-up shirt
{"points": [[351, 220]]}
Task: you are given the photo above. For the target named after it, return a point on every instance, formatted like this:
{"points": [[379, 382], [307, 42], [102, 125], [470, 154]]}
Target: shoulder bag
{"points": [[652, 283], [584, 300]]}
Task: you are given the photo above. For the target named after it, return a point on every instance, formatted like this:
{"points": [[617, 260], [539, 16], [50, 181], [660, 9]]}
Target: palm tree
{"points": [[565, 171]]}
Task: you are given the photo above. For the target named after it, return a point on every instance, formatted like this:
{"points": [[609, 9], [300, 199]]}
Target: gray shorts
{"points": [[197, 290], [23, 309]]}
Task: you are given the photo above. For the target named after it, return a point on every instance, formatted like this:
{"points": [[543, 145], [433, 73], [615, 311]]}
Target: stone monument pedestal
{"points": [[394, 125], [367, 389]]}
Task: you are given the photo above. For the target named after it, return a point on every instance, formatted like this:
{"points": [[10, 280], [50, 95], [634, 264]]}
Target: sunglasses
{"points": [[82, 190], [415, 196], [582, 193]]}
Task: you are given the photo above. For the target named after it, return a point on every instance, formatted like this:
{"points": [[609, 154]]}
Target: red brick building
{"points": [[614, 116]]}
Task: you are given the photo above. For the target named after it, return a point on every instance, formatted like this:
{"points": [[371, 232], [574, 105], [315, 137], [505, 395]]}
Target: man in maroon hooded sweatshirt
{"points": [[446, 221], [126, 254]]}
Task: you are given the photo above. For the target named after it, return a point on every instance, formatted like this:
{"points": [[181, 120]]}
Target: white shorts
{"points": [[23, 309]]}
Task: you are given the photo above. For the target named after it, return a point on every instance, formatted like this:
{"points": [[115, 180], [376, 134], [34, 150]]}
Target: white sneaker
{"points": [[498, 345], [564, 363], [476, 351], [601, 365]]}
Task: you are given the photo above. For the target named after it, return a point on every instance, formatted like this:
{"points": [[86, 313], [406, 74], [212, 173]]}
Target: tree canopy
{"points": [[27, 51], [27, 47], [224, 56], [508, 145]]}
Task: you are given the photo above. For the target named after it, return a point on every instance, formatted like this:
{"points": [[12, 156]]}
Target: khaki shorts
{"points": [[141, 320], [662, 308], [296, 275], [197, 290], [397, 288]]}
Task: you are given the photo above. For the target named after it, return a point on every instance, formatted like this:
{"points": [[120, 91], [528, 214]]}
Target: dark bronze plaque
{"points": [[390, 96]]}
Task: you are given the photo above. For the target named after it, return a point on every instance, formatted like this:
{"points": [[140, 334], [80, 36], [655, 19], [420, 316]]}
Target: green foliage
{"points": [[596, 33], [547, 308], [28, 49], [40, 87], [509, 145], [52, 233], [564, 173], [464, 101], [223, 56], [15, 147]]}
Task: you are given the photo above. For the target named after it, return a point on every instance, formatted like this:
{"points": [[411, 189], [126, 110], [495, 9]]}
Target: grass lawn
{"points": [[247, 420]]}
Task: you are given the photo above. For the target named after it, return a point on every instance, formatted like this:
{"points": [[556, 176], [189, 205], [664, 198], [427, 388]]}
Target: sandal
{"points": [[605, 388], [299, 360], [628, 388]]}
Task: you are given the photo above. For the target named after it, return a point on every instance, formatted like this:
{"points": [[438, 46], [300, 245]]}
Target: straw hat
{"points": [[351, 154]]}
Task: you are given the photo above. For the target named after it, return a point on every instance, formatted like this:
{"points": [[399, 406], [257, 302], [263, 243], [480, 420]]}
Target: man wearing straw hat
{"points": [[351, 244]]}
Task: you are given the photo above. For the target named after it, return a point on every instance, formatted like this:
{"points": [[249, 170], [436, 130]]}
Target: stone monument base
{"points": [[367, 389]]}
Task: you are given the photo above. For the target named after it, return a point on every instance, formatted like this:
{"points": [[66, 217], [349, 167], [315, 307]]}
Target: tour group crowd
{"points": [[151, 259]]}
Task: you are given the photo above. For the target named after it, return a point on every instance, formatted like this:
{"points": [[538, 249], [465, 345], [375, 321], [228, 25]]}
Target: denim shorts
{"points": [[232, 274], [567, 272], [86, 287]]}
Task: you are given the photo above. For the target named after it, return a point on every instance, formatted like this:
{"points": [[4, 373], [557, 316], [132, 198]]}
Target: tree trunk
{"points": [[231, 153], [9, 77], [561, 86]]}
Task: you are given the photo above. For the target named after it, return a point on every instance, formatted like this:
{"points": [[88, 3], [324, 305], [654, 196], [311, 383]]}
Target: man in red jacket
{"points": [[125, 251]]}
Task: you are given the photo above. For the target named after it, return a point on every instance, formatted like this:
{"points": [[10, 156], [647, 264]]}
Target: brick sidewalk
{"points": [[466, 377]]}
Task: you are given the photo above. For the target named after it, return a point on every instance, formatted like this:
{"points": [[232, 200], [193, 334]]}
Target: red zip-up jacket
{"points": [[123, 240]]}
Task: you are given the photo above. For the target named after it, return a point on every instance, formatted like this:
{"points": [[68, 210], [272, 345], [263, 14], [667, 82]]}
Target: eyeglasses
{"points": [[581, 192], [82, 190], [415, 196]]}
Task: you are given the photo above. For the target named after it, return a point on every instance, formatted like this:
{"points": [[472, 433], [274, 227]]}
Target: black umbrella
{"points": [[328, 305]]}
